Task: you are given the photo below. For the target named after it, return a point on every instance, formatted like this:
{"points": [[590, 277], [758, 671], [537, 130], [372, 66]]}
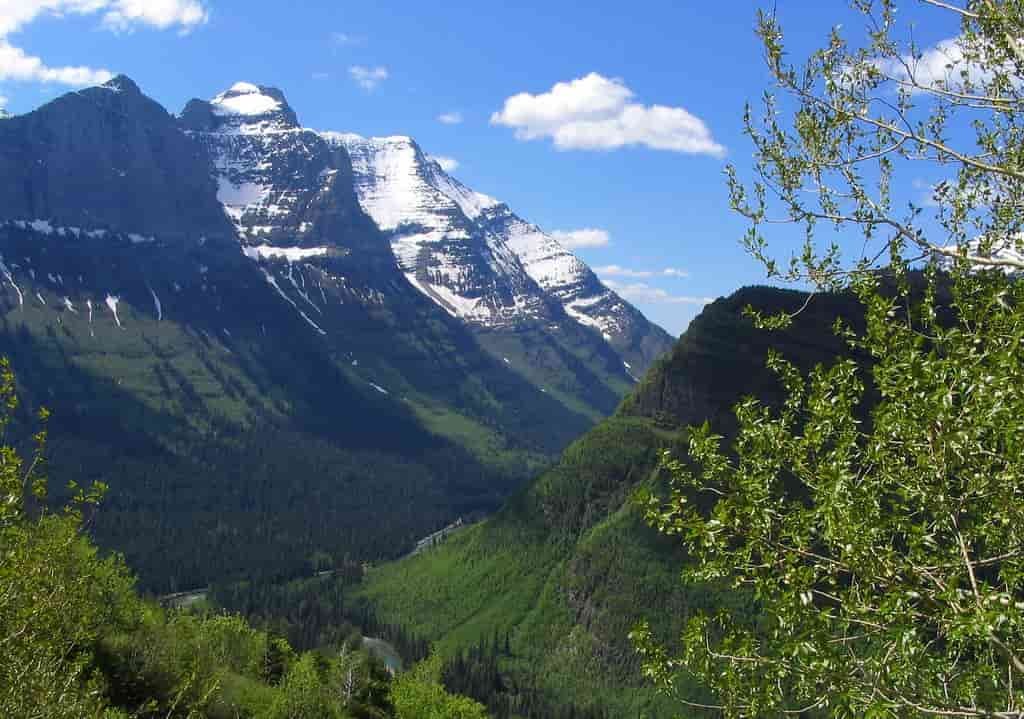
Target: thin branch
{"points": [[954, 8]]}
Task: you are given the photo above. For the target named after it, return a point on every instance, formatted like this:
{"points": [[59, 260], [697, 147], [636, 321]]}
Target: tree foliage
{"points": [[57, 595], [419, 694], [837, 132], [876, 515]]}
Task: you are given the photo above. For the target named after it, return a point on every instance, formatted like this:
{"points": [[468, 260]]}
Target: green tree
{"points": [[876, 516], [419, 694], [303, 694], [57, 595]]}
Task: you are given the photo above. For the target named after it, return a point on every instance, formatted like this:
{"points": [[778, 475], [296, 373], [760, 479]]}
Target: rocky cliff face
{"points": [[435, 241], [108, 158], [479, 260], [287, 192]]}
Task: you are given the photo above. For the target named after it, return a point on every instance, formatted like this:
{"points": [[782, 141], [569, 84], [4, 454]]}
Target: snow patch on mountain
{"points": [[431, 220], [471, 203], [552, 266], [157, 305], [292, 254], [390, 186], [237, 197], [10, 278], [48, 229], [1006, 250], [42, 226], [112, 302], [272, 281]]}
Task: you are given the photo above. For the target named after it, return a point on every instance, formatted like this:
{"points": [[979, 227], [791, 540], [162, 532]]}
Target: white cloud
{"points": [[598, 113], [619, 271], [368, 77], [14, 14], [125, 14], [3, 102], [448, 164], [16, 65], [116, 15], [642, 292], [587, 237], [943, 65], [450, 118]]}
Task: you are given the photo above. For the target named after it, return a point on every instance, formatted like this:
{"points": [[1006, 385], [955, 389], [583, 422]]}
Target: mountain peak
{"points": [[244, 103], [248, 100], [122, 83]]}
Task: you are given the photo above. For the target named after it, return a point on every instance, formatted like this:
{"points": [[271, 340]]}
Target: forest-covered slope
{"points": [[568, 566]]}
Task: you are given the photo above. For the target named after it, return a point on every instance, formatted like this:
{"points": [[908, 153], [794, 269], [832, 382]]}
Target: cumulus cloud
{"points": [[3, 102], [598, 113], [450, 118], [619, 271], [587, 237], [448, 164], [643, 292], [17, 65], [125, 14], [368, 77], [115, 15]]}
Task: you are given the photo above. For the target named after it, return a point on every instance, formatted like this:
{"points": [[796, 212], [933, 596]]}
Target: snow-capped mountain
{"points": [[431, 223], [466, 251], [473, 255]]}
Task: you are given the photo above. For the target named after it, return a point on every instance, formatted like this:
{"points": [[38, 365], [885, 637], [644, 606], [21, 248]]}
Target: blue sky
{"points": [[381, 68]]}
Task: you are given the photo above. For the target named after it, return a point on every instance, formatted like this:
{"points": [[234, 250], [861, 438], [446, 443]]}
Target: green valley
{"points": [[569, 565]]}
